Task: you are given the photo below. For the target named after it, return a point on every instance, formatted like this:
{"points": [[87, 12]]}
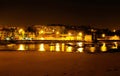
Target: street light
{"points": [[80, 34], [57, 33], [41, 32], [69, 33], [114, 30], [69, 36], [103, 35], [21, 30]]}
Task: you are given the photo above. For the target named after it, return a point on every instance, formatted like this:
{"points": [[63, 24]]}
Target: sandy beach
{"points": [[34, 63]]}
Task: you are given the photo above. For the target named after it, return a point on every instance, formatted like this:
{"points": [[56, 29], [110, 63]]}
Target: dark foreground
{"points": [[28, 63]]}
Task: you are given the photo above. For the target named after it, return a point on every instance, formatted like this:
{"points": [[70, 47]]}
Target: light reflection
{"points": [[57, 47], [31, 46], [92, 49], [69, 49], [80, 44], [41, 47], [80, 50], [52, 47], [115, 46], [21, 47], [103, 47], [63, 46]]}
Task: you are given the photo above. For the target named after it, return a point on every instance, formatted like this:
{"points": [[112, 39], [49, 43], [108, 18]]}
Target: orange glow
{"points": [[115, 46], [115, 37], [103, 35], [63, 46], [52, 47], [80, 50], [21, 47], [114, 30], [88, 38], [69, 49], [69, 34], [41, 32], [41, 47], [41, 38], [57, 47], [21, 30], [80, 44], [103, 47], [57, 33], [80, 34], [92, 49]]}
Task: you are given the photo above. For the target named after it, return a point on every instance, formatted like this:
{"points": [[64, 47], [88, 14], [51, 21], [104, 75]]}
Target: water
{"points": [[62, 47]]}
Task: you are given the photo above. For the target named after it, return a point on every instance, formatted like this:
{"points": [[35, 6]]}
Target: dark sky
{"points": [[98, 12]]}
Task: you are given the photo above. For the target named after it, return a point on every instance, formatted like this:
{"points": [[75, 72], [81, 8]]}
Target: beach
{"points": [[35, 63]]}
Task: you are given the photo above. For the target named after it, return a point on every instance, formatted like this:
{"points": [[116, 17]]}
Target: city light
{"points": [[21, 30], [59, 37], [57, 33], [114, 30], [80, 34], [69, 33], [115, 37], [42, 38], [103, 35], [41, 32]]}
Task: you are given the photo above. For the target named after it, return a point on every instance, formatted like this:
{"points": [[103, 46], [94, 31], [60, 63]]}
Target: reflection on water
{"points": [[80, 49], [57, 47], [92, 49], [80, 44], [21, 47], [115, 46], [69, 49], [52, 47], [41, 47], [63, 47], [103, 47]]}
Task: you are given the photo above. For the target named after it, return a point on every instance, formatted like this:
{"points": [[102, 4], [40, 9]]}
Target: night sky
{"points": [[27, 12]]}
